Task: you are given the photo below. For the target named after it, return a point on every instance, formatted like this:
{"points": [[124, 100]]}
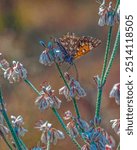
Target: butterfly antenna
{"points": [[68, 68], [42, 43], [76, 69]]}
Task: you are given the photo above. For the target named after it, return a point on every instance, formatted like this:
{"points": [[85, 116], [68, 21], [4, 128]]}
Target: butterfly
{"points": [[74, 47]]}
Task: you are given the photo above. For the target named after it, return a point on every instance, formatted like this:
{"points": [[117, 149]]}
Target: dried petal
{"points": [[110, 15], [103, 15], [49, 133], [18, 123], [68, 115], [64, 91], [115, 92], [47, 98], [50, 55], [4, 64], [116, 125], [46, 58], [15, 73], [72, 129], [75, 91]]}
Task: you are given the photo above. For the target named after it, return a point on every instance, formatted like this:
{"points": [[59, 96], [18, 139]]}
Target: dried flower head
{"points": [[75, 91], [49, 133], [75, 125], [110, 15], [107, 15], [47, 98], [18, 123], [103, 15], [115, 92], [67, 115], [3, 63], [116, 125], [15, 73], [50, 54], [117, 16], [71, 126]]}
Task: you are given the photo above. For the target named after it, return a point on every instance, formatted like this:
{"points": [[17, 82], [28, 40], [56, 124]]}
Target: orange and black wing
{"points": [[85, 45]]}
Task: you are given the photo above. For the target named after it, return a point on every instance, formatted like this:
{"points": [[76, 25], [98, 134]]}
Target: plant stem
{"points": [[106, 69], [118, 148], [65, 82], [5, 140], [23, 145], [115, 49], [56, 114], [32, 86], [48, 145], [106, 52], [8, 123], [99, 95], [98, 103]]}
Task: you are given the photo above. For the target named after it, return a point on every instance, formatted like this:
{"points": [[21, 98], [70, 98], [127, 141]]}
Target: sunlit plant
{"points": [[66, 49]]}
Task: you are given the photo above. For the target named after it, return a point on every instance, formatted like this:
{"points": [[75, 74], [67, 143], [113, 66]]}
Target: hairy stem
{"points": [[115, 49], [23, 145], [107, 52], [98, 103]]}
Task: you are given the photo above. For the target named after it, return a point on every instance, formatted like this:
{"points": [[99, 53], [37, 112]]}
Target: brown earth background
{"points": [[22, 24]]}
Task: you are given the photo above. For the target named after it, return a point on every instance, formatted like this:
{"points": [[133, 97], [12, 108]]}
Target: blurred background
{"points": [[22, 24]]}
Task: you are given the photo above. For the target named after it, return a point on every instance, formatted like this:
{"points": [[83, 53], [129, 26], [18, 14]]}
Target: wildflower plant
{"points": [[66, 49]]}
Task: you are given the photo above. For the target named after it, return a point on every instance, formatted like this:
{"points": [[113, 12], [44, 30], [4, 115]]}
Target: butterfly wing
{"points": [[69, 42], [85, 45]]}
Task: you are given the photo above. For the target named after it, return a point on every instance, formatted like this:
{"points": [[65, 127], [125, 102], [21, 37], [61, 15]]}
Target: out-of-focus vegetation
{"points": [[22, 25]]}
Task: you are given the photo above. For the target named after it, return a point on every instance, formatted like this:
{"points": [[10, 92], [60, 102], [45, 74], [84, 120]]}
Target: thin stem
{"points": [[98, 103], [65, 82], [48, 145], [80, 130], [64, 126], [77, 75], [118, 148], [9, 124], [5, 140], [107, 52], [115, 49], [22, 144], [62, 76], [32, 86], [56, 114]]}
